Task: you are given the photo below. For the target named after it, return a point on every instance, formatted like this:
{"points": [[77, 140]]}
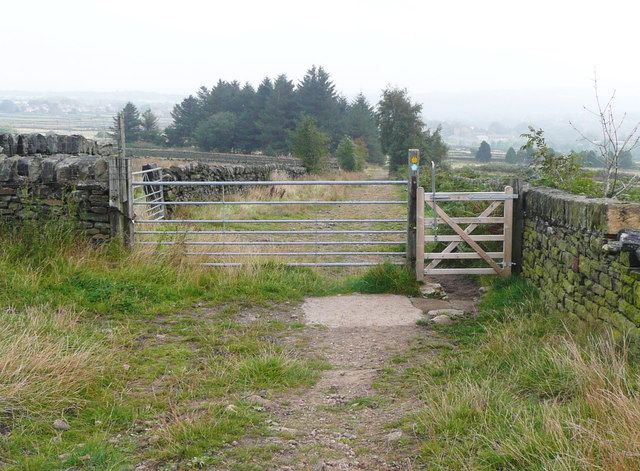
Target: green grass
{"points": [[108, 340], [520, 391], [48, 265], [386, 278]]}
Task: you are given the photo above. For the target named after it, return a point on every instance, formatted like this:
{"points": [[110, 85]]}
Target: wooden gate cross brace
{"points": [[465, 234]]}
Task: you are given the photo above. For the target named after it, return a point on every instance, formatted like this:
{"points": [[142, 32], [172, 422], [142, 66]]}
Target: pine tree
{"points": [[278, 117], [484, 152], [132, 123], [219, 132], [224, 96], [247, 140], [310, 144], [360, 123], [317, 97], [264, 91], [150, 129], [511, 156], [186, 117]]}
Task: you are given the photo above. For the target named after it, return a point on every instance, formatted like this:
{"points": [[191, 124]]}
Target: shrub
{"points": [[562, 171], [347, 155]]}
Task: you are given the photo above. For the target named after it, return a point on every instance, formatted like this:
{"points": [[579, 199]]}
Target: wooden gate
{"points": [[498, 262]]}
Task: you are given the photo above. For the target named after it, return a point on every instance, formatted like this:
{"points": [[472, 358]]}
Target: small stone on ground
{"points": [[448, 312], [61, 425], [442, 319]]}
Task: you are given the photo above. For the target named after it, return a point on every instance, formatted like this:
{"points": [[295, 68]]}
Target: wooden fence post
{"points": [[412, 190], [420, 234], [121, 191]]}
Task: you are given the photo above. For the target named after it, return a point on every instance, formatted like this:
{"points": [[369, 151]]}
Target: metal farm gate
{"points": [[222, 240], [213, 234]]}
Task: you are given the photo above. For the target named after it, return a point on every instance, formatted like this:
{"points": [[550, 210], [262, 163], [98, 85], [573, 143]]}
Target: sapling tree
{"points": [[551, 168], [613, 144], [310, 144]]}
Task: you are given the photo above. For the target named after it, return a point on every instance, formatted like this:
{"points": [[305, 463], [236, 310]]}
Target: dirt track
{"points": [[349, 420]]}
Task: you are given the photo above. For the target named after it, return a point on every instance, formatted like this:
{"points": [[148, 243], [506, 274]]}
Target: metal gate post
{"points": [[412, 193], [121, 191]]}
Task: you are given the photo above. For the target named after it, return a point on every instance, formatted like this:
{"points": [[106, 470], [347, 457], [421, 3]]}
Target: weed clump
{"points": [[385, 278]]}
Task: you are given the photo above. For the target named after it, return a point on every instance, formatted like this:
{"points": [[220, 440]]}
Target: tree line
{"points": [[279, 117], [525, 155]]}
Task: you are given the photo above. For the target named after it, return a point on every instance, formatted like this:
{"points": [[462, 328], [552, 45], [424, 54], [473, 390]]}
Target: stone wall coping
{"points": [[50, 144], [54, 169], [607, 216]]}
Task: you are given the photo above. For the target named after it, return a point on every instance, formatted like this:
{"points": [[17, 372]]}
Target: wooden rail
{"points": [[465, 235]]}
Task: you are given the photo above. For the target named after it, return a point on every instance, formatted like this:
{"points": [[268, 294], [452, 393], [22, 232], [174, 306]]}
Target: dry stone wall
{"points": [[206, 172], [45, 177], [563, 255]]}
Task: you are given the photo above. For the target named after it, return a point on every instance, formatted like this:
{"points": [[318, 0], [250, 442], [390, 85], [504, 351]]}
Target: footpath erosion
{"points": [[351, 419]]}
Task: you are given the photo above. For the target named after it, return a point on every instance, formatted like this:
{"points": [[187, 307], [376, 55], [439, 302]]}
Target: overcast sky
{"points": [[426, 46]]}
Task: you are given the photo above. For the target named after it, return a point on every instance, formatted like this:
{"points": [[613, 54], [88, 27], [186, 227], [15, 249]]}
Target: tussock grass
{"points": [[46, 361], [54, 266], [274, 369], [524, 393], [385, 278], [196, 436]]}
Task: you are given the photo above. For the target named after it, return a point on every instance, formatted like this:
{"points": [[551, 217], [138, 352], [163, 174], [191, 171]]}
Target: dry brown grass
{"points": [[46, 361], [280, 193], [531, 392], [609, 436]]}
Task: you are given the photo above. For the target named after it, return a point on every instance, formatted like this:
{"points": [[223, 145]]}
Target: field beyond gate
{"points": [[324, 223]]}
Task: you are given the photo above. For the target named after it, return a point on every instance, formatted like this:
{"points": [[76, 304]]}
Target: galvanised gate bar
{"points": [[316, 239]]}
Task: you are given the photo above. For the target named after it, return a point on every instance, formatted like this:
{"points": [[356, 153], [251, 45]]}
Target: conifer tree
{"points": [[317, 97], [484, 152], [150, 129], [360, 123], [186, 117], [132, 123], [278, 116], [218, 133], [310, 144], [511, 156]]}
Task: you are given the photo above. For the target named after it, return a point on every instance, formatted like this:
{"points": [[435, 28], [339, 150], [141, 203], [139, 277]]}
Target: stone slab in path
{"points": [[361, 310]]}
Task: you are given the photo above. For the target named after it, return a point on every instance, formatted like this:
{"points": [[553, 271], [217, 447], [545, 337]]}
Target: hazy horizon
{"points": [[426, 47], [468, 62]]}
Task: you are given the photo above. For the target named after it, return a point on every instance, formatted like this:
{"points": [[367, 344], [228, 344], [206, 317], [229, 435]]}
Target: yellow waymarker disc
{"points": [[414, 160]]}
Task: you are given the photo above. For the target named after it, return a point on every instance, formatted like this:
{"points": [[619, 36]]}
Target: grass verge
{"points": [[107, 342], [521, 392]]}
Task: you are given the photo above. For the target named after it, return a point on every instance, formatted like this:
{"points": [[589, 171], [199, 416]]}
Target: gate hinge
{"points": [[504, 264]]}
